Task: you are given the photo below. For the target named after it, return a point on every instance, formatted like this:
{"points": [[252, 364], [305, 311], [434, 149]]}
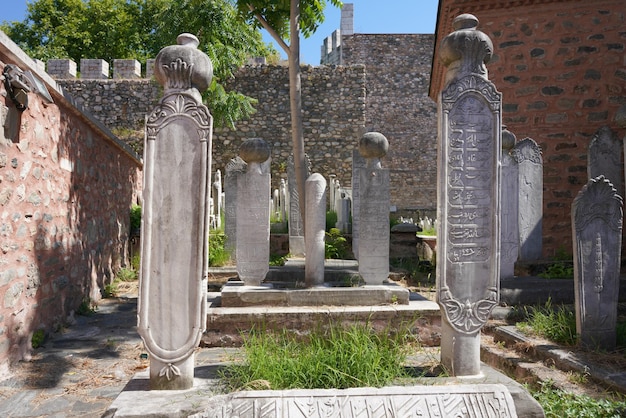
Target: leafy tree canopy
{"points": [[276, 14], [139, 29]]}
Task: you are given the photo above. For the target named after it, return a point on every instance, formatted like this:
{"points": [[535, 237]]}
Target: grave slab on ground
{"points": [[492, 394]]}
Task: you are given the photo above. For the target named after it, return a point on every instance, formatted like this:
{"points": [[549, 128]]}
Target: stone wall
{"points": [[383, 87], [333, 105], [122, 105], [398, 72], [561, 70], [66, 188]]}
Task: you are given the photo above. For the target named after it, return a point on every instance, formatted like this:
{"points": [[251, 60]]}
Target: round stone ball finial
{"points": [[373, 145], [254, 150], [465, 21], [508, 138], [188, 39]]}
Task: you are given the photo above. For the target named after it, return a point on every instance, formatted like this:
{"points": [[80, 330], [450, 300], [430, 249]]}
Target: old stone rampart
{"points": [[66, 188], [382, 91]]}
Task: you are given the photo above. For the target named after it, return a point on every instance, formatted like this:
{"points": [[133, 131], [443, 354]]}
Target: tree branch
{"points": [[270, 30]]}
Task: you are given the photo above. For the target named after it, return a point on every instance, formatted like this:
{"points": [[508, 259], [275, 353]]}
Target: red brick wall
{"points": [[561, 67], [66, 187]]}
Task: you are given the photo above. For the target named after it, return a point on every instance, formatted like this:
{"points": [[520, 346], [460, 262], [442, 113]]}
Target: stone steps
{"points": [[226, 324]]}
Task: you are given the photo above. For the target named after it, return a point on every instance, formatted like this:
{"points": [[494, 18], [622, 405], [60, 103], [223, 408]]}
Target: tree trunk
{"points": [[295, 100]]}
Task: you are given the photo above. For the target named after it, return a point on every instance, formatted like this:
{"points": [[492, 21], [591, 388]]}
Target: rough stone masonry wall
{"points": [[122, 105], [398, 106], [333, 105], [66, 187], [562, 72]]}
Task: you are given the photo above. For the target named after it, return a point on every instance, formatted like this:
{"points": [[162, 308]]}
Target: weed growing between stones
{"points": [[557, 403], [218, 255], [336, 357], [335, 245], [556, 324]]}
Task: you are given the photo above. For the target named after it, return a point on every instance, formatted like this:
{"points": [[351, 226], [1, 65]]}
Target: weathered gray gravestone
{"points": [[373, 243], [358, 162], [468, 206], [174, 250], [597, 231], [253, 213], [604, 158], [509, 227], [296, 223], [217, 199], [315, 230], [620, 121], [530, 165], [234, 170]]}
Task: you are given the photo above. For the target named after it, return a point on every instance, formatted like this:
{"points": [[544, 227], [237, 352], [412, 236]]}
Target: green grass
{"points": [[558, 270], [218, 255], [338, 357], [557, 403], [430, 231], [126, 274], [556, 324]]}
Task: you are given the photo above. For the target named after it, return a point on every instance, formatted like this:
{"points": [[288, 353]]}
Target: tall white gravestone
{"points": [[374, 211], [509, 226], [253, 213], [315, 230], [597, 232], [235, 169], [468, 201], [530, 204], [174, 250], [217, 199]]}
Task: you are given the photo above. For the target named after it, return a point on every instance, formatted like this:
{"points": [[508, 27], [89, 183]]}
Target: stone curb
{"points": [[562, 359]]}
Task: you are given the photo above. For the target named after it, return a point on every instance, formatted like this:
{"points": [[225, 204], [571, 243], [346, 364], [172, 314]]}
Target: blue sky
{"points": [[370, 16]]}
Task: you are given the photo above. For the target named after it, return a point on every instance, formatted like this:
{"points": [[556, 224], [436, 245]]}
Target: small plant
{"points": [[578, 377], [126, 274], [557, 403], [558, 270], [86, 308], [331, 220], [218, 255], [558, 325], [561, 268], [336, 358], [135, 218], [351, 280], [430, 231], [38, 338], [110, 290], [335, 245], [135, 262], [277, 260]]}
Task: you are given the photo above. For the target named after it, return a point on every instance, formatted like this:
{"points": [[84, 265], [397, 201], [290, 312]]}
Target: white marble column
{"points": [[315, 225]]}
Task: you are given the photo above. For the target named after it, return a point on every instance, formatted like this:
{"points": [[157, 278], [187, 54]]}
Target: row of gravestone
{"points": [[248, 202], [597, 218]]}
